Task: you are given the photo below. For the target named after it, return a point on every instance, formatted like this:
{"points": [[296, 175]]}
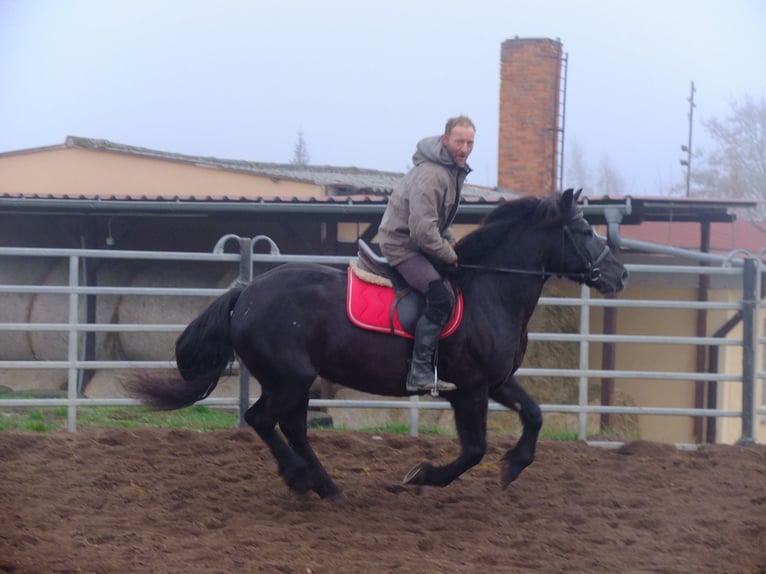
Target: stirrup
{"points": [[438, 386], [442, 386]]}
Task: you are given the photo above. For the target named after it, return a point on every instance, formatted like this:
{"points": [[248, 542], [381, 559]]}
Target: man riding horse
{"points": [[415, 231]]}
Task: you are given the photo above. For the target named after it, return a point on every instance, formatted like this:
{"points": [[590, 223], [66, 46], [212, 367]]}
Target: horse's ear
{"points": [[567, 199], [577, 195]]}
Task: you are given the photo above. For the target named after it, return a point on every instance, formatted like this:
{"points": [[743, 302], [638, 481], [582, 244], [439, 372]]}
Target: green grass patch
{"points": [[46, 419], [559, 434], [390, 428], [195, 418], [404, 429], [36, 422]]}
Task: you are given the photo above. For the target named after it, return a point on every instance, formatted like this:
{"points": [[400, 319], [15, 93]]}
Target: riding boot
{"points": [[422, 375]]}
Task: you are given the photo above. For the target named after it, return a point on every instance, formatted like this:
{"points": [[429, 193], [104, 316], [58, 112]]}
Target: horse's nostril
{"points": [[625, 275]]}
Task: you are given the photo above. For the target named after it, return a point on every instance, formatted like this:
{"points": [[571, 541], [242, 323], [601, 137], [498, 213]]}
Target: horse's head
{"points": [[584, 256], [543, 237]]}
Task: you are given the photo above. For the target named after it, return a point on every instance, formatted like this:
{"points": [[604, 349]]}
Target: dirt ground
{"points": [[163, 501]]}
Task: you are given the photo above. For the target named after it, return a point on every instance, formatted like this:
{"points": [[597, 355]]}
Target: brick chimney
{"points": [[530, 78]]}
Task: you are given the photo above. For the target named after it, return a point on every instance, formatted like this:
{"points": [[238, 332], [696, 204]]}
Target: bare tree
{"points": [[608, 179], [736, 168], [300, 152], [577, 172]]}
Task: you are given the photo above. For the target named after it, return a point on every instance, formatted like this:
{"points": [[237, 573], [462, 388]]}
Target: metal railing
{"points": [[74, 364]]}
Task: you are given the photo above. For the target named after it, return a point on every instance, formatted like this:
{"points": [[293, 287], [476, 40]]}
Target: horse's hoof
{"points": [[297, 481], [334, 497], [329, 493], [511, 469], [508, 475], [299, 486], [416, 475]]}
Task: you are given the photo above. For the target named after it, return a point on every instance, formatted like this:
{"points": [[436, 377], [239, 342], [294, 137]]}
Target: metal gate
{"points": [[748, 272]]}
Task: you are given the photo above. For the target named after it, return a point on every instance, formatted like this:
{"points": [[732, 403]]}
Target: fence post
{"points": [[414, 416], [748, 352], [582, 400], [72, 371], [245, 277]]}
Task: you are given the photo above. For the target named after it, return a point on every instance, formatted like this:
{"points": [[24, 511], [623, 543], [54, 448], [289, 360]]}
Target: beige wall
{"points": [[60, 171], [657, 357]]}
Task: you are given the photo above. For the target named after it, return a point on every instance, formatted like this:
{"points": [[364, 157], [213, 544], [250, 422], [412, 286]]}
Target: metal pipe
{"points": [[386, 404], [180, 208], [748, 352], [703, 294], [141, 207], [72, 370], [245, 277], [608, 363], [614, 218], [582, 399]]}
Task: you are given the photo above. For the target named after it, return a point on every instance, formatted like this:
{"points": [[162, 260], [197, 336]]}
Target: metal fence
{"points": [[748, 272]]}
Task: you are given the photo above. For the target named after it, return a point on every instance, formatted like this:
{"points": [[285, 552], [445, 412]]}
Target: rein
{"points": [[540, 273], [592, 271]]}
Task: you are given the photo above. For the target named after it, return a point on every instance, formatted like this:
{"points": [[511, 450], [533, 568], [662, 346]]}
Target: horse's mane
{"points": [[516, 216]]}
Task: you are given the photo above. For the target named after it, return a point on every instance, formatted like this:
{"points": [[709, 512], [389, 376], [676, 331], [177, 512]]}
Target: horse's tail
{"points": [[203, 352]]}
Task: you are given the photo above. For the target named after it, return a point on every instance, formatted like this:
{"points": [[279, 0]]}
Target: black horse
{"points": [[289, 326]]}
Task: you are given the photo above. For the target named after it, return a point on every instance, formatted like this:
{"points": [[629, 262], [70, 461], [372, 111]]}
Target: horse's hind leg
{"points": [[292, 468], [294, 427], [512, 395], [471, 424]]}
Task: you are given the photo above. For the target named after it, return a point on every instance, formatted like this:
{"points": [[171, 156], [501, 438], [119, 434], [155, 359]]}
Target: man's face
{"points": [[459, 143]]}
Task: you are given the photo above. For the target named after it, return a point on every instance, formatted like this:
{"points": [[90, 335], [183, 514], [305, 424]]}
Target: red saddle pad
{"points": [[369, 306]]}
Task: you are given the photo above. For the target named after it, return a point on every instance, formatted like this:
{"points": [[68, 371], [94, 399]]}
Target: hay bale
{"points": [[54, 308], [15, 307], [164, 308]]}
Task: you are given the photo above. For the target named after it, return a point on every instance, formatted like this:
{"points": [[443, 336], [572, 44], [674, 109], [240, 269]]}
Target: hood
{"points": [[431, 149]]}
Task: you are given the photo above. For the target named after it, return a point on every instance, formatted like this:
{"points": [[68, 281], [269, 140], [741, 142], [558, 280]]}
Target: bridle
{"points": [[592, 271]]}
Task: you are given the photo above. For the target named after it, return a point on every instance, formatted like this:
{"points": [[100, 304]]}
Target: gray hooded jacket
{"points": [[423, 206]]}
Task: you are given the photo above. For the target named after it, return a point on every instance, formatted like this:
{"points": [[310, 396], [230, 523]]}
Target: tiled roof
{"points": [[345, 181], [351, 199]]}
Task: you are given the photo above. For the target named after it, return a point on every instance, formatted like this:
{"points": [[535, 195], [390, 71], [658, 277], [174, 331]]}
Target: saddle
{"points": [[379, 299]]}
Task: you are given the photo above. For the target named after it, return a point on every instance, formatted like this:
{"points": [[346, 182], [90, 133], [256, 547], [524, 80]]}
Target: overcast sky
{"points": [[363, 81]]}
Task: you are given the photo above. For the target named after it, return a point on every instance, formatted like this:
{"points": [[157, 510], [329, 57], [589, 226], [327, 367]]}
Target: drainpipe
{"points": [[614, 218]]}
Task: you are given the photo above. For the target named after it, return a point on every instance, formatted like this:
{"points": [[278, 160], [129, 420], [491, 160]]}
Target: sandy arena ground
{"points": [[163, 501]]}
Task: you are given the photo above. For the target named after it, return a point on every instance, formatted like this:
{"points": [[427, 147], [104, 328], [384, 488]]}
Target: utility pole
{"points": [[688, 147]]}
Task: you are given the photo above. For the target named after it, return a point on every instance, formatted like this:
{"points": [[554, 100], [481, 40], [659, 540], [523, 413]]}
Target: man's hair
{"points": [[458, 121]]}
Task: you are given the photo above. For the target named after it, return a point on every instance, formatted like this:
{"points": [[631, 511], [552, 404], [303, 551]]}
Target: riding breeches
{"points": [[421, 275]]}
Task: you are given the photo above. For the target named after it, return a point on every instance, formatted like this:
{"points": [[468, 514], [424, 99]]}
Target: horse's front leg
{"points": [[471, 423], [511, 394]]}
